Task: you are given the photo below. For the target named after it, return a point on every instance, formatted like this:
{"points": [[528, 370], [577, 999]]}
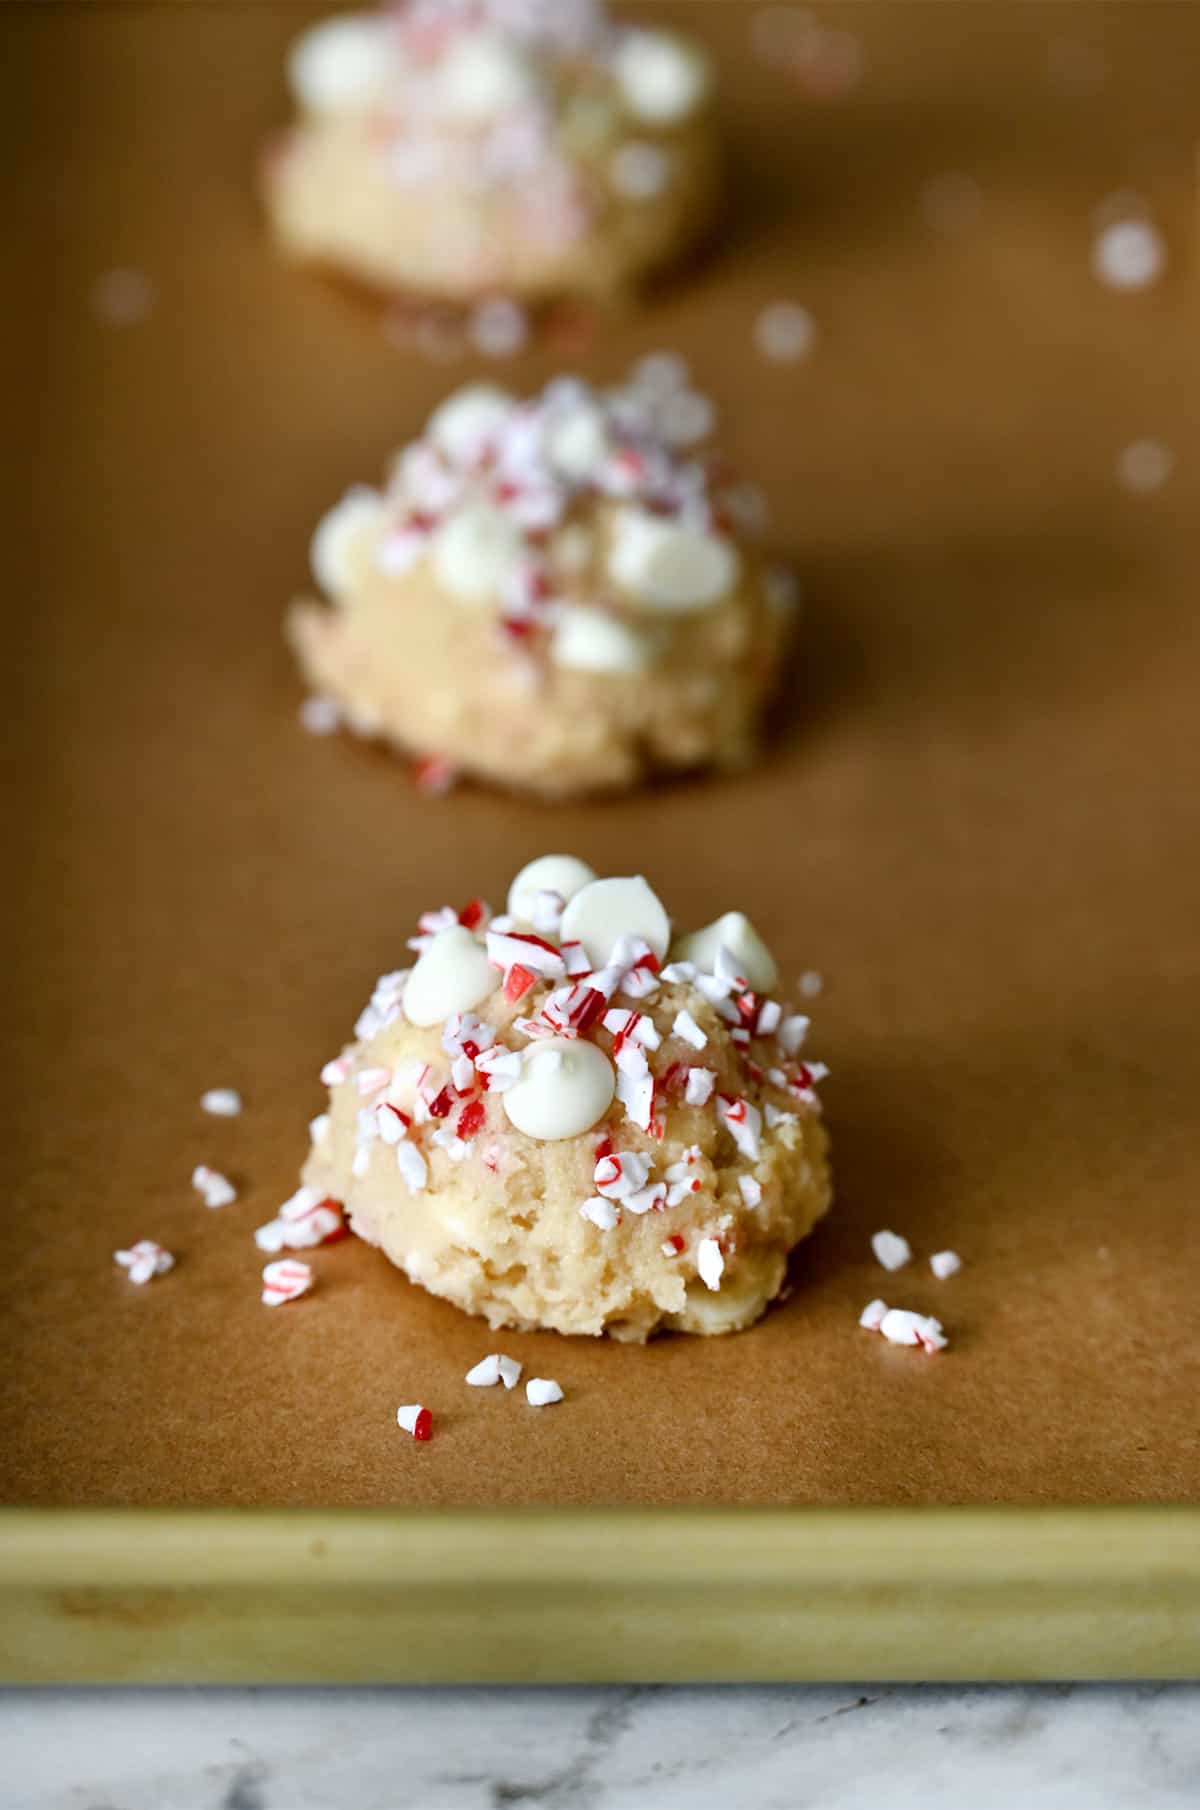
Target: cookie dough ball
{"points": [[553, 595], [454, 150], [555, 1120]]}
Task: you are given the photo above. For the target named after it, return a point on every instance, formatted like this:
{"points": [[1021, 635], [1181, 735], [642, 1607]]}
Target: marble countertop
{"points": [[1046, 1747]]}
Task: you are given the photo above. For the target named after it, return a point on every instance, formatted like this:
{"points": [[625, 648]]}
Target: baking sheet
{"points": [[978, 822]]}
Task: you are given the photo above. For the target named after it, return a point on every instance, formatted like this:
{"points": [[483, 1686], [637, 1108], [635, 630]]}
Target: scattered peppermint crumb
{"points": [[601, 1212], [216, 1189], [144, 1260], [222, 1102], [750, 1190], [891, 1250], [1129, 254], [542, 1392], [510, 1371], [784, 332], [811, 983], [685, 1026], [900, 1326], [434, 775], [416, 1420], [285, 1280], [700, 1084], [122, 297], [872, 1314], [945, 1263], [710, 1263], [485, 1373], [1144, 466], [320, 716]]}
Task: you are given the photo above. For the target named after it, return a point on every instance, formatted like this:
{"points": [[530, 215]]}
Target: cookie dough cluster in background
{"points": [[454, 148], [561, 1117], [553, 594]]}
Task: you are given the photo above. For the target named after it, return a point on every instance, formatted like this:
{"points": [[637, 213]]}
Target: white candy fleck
{"points": [[945, 1264], [485, 1373], [699, 1087], [1144, 466], [602, 1213], [784, 332], [145, 1260], [900, 1326], [215, 1189], [710, 1263], [872, 1314], [685, 1026], [1129, 254], [412, 1166], [320, 715], [222, 1102], [891, 1250], [750, 1190], [542, 1392]]}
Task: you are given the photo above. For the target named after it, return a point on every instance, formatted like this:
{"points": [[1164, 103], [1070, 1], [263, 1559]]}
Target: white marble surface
{"points": [[1071, 1747]]}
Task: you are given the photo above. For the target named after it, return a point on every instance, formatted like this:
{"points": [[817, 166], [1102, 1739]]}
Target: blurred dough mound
{"points": [[561, 1118], [455, 148], [553, 595]]}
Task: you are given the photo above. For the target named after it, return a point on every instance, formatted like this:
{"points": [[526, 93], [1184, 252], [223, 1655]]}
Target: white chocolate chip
{"points": [[586, 640], [338, 535], [565, 1087], [476, 551], [737, 934], [483, 75], [607, 909], [452, 974], [343, 63], [468, 419], [563, 874], [577, 443], [667, 565], [661, 78]]}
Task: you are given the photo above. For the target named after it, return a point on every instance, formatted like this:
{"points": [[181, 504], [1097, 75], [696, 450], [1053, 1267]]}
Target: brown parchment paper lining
{"points": [[979, 821]]}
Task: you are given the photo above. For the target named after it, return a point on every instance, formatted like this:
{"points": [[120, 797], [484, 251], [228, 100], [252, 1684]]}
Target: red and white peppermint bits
{"points": [[710, 1263], [309, 1218], [144, 1260], [901, 1326], [285, 1280], [415, 1419]]}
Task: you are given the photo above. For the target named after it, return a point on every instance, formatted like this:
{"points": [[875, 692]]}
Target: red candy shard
{"points": [[473, 914], [470, 1119], [604, 1148], [675, 1240], [423, 1425], [518, 980], [441, 1103]]}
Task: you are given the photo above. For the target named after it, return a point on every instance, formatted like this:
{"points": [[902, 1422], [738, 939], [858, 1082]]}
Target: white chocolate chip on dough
{"points": [[666, 565], [586, 640], [342, 64], [475, 551], [565, 1087], [563, 874], [736, 933], [452, 974], [600, 913], [661, 78], [338, 533]]}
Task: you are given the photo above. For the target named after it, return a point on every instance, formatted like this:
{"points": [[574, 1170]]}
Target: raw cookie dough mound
{"points": [[460, 147], [550, 594], [558, 1118]]}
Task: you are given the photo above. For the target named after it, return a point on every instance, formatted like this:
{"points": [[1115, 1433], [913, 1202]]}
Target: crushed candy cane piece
{"points": [[601, 1212], [485, 1373], [811, 983], [750, 1190], [945, 1264], [309, 1218], [710, 1263], [672, 1246], [318, 1128], [620, 1173], [900, 1326], [216, 1189], [416, 1420], [871, 1317], [685, 1026], [320, 715], [335, 1072], [222, 1102], [412, 1166], [1129, 254], [434, 775], [542, 1392], [372, 1080], [500, 1067], [144, 1260], [784, 332], [891, 1250], [744, 1123], [700, 1084], [285, 1280]]}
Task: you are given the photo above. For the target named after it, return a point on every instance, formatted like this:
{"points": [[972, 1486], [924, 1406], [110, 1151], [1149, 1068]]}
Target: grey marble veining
{"points": [[1071, 1747]]}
